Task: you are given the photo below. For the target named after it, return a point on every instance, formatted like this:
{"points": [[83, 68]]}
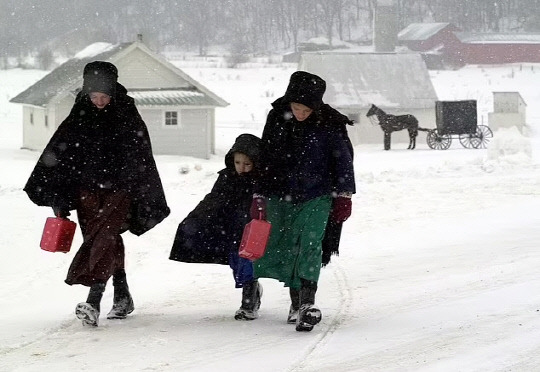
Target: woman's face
{"points": [[301, 112], [100, 100], [242, 163]]}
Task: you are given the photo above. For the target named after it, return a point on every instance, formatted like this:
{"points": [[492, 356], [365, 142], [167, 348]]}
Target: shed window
{"points": [[171, 118], [46, 121], [31, 118]]}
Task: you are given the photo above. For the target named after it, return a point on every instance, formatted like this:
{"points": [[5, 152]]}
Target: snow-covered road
{"points": [[438, 272]]}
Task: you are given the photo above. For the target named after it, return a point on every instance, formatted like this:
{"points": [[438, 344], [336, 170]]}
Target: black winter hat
{"points": [[305, 88], [100, 76], [247, 144]]}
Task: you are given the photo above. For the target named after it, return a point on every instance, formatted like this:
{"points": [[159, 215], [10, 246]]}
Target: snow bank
{"points": [[509, 146]]}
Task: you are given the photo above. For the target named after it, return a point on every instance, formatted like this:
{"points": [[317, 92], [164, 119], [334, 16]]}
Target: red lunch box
{"points": [[57, 234], [254, 239]]}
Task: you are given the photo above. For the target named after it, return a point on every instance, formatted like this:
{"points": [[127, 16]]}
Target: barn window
{"points": [[171, 118], [31, 118], [46, 121]]}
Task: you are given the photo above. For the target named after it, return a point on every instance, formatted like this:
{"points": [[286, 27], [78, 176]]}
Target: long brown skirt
{"points": [[102, 217]]}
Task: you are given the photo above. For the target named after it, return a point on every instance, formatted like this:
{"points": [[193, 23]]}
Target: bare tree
{"points": [[248, 26]]}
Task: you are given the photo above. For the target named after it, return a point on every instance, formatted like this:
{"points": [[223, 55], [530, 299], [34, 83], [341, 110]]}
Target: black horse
{"points": [[391, 123]]}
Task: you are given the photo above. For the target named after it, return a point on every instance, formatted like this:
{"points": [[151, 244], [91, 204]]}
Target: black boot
{"points": [[122, 300], [309, 314], [295, 305], [251, 301], [88, 311]]}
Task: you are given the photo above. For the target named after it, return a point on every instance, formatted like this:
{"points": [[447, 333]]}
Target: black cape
{"points": [[280, 164], [93, 149], [214, 228]]}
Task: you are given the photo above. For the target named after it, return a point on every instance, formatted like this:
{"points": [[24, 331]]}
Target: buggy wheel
{"points": [[469, 140], [483, 136], [438, 142]]}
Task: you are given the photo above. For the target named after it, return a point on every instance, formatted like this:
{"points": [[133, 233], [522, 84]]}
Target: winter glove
{"points": [[258, 207], [60, 212], [341, 209], [60, 208]]}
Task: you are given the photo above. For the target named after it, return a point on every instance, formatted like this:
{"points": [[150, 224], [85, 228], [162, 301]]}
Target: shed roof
{"points": [[170, 97], [421, 31], [356, 80], [65, 77]]}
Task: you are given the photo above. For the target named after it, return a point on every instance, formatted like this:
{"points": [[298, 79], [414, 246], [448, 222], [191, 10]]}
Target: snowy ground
{"points": [[438, 270]]}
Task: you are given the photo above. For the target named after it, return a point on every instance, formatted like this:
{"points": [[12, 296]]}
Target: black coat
{"points": [[214, 228], [101, 149], [305, 160]]}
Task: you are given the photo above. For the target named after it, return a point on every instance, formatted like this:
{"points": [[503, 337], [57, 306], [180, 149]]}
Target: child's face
{"points": [[301, 112], [100, 99], [242, 163]]}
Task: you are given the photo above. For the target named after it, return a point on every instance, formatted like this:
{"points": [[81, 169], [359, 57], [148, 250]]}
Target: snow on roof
{"points": [[490, 38], [420, 31], [324, 41], [62, 78], [356, 80], [68, 76], [93, 50], [171, 97]]}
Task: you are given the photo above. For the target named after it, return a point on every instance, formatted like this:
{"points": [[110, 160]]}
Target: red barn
{"points": [[423, 37], [431, 40], [484, 48], [442, 44]]}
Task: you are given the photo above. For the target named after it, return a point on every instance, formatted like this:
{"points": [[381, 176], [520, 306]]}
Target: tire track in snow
{"points": [[9, 190], [343, 310], [48, 333]]}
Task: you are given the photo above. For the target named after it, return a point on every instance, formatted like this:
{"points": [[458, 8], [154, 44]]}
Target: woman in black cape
{"points": [[99, 162]]}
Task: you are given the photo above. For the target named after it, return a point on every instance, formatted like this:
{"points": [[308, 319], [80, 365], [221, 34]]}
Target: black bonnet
{"points": [[305, 88], [247, 144], [100, 76]]}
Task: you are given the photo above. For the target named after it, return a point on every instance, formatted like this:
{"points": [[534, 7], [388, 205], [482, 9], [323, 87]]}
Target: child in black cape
{"points": [[212, 232]]}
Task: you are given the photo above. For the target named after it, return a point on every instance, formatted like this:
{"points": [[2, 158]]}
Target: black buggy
{"points": [[458, 119]]}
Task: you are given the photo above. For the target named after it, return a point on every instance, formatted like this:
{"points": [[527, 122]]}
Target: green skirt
{"points": [[294, 250]]}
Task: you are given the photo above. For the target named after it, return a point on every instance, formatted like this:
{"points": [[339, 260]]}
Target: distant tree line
{"points": [[242, 27]]}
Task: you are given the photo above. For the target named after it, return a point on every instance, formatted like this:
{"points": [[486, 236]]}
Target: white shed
{"points": [[397, 83], [509, 110], [179, 111]]}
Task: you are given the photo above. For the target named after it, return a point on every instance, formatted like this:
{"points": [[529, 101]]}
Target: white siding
{"points": [[139, 70], [509, 110], [499, 120], [63, 109], [508, 102], [192, 136], [35, 134], [196, 124]]}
